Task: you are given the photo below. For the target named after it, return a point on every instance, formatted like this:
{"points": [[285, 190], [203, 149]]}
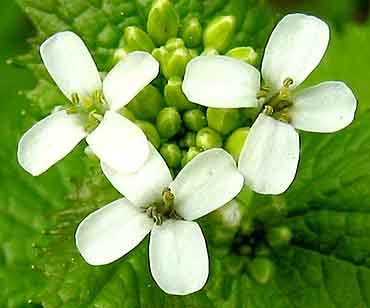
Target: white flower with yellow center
{"points": [[269, 158], [116, 141], [165, 207]]}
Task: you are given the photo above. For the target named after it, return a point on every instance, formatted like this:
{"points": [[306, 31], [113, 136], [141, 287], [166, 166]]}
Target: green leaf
{"points": [[346, 60], [17, 229], [329, 214], [344, 11]]}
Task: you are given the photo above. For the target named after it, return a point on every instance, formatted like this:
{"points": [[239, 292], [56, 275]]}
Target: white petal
{"points": [[269, 158], [144, 186], [207, 182], [220, 81], [111, 232], [48, 141], [295, 48], [325, 108], [178, 257], [128, 78], [70, 64], [119, 143]]}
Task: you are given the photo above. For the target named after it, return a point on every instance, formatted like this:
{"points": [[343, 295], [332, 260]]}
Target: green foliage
{"points": [[22, 202], [346, 60], [327, 210], [223, 120]]}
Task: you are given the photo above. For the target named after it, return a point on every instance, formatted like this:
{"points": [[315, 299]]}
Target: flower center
{"points": [[164, 209], [278, 105], [91, 109]]}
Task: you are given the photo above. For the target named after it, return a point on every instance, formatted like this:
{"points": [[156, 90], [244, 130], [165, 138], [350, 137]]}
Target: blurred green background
{"points": [[347, 59]]}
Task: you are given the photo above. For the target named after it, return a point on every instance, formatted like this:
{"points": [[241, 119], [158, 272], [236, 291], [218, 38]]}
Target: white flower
{"points": [[116, 141], [269, 158], [155, 203]]}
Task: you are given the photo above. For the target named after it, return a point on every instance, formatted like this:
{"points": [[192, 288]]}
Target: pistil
{"points": [[160, 211], [91, 109], [278, 105]]}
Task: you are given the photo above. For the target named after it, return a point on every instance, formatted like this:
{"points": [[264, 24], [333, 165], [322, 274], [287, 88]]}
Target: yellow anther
{"points": [[75, 98], [268, 110], [95, 116], [168, 197], [283, 116], [287, 82], [71, 109], [100, 98]]}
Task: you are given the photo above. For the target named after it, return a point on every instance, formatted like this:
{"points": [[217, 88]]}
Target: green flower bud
{"points": [[246, 54], [207, 138], [176, 63], [194, 120], [210, 52], [146, 104], [150, 132], [174, 96], [220, 239], [235, 142], [262, 251], [273, 212], [168, 122], [245, 250], [119, 54], [128, 114], [249, 115], [137, 39], [192, 32], [193, 53], [279, 205], [219, 32], [188, 141], [247, 227], [171, 154], [246, 196], [279, 236], [161, 55], [223, 120], [105, 56], [189, 155], [230, 215], [174, 43], [163, 21], [261, 269]]}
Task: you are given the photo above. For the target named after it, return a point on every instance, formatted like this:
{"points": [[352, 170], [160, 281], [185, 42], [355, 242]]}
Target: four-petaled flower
{"points": [[116, 140], [269, 157], [155, 203]]}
